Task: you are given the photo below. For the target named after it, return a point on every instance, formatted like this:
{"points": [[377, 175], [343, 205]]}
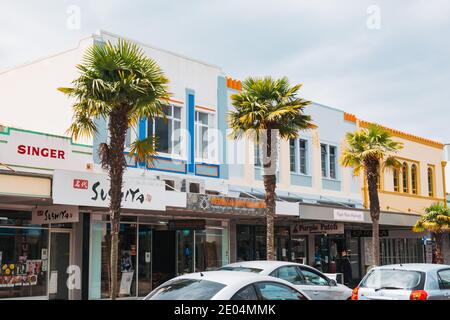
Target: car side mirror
{"points": [[333, 283]]}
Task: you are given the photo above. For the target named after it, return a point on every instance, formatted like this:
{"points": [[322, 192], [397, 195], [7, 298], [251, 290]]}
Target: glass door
{"points": [[59, 262], [145, 260], [185, 251]]}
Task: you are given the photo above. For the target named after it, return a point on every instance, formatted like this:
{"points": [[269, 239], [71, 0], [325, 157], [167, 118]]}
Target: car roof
{"points": [[425, 267], [261, 264], [226, 277]]}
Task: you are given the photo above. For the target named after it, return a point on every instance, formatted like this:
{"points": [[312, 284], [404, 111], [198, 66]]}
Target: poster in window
{"points": [[53, 285]]}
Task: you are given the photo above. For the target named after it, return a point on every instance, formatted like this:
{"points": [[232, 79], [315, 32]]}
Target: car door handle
{"points": [[316, 292]]}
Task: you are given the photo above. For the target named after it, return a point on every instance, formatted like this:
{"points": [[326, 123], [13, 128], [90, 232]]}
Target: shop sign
{"points": [[227, 205], [190, 224], [317, 228], [42, 151], [54, 214], [92, 189], [348, 215], [368, 233]]}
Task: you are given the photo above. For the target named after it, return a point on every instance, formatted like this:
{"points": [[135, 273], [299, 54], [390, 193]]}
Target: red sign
{"points": [[80, 184], [41, 152]]}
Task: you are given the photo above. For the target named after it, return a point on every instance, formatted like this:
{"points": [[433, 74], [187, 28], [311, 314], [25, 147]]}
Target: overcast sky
{"points": [[385, 61]]}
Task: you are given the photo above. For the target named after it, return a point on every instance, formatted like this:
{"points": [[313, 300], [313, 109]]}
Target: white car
{"points": [[305, 278], [225, 285]]}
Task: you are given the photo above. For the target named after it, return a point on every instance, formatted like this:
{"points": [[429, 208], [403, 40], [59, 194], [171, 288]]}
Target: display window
{"points": [[23, 256]]}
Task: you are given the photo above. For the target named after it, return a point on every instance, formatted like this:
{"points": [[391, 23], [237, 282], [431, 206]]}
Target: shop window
{"points": [[24, 262], [405, 179], [395, 175], [194, 187], [414, 179], [167, 131], [430, 182], [250, 242]]}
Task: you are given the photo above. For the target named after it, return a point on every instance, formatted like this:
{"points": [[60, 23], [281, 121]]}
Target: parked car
{"points": [[305, 278], [225, 285], [408, 281]]}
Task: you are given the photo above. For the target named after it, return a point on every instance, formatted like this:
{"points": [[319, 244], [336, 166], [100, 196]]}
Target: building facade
{"points": [[199, 204]]}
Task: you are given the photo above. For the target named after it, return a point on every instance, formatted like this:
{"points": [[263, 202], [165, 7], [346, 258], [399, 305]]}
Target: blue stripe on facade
{"points": [[190, 110], [222, 109]]}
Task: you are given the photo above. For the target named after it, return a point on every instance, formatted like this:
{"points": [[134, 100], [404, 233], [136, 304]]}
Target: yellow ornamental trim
{"points": [[404, 135]]}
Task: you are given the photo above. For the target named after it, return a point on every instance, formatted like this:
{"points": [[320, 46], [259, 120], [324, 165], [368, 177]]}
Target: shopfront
{"points": [[154, 249]]}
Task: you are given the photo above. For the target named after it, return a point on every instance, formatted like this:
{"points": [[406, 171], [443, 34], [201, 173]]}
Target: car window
{"points": [[246, 293], [313, 278], [394, 278], [444, 279], [244, 269], [278, 291], [187, 289], [288, 273]]}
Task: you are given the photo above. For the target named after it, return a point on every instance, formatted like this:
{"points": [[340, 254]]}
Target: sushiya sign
{"points": [[54, 214], [92, 189]]}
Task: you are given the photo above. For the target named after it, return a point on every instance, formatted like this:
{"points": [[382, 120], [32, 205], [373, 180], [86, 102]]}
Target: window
{"points": [[167, 132], [396, 180], [414, 179], [170, 185], [194, 187], [182, 288], [328, 161], [257, 156], [298, 148], [288, 273], [202, 135], [292, 155], [313, 278], [332, 162], [430, 182], [246, 293], [278, 291], [324, 152], [405, 179], [444, 279]]}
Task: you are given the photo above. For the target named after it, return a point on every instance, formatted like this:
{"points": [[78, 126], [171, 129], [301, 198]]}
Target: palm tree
{"points": [[120, 83], [369, 151], [265, 109], [437, 221]]}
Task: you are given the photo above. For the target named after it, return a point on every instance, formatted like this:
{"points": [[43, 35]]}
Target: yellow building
{"points": [[419, 182]]}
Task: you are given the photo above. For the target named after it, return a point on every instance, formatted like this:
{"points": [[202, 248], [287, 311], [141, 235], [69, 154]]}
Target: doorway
{"points": [[163, 257], [59, 262]]}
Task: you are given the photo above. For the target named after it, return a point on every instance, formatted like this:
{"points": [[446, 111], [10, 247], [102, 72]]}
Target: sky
{"points": [[385, 61]]}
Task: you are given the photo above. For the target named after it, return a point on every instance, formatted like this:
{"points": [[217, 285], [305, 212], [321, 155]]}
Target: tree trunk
{"points": [[371, 167], [438, 255], [270, 185], [116, 165], [269, 158]]}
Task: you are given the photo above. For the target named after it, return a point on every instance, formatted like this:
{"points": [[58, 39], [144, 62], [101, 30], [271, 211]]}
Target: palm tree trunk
{"points": [[116, 164], [438, 238], [270, 185], [372, 180]]}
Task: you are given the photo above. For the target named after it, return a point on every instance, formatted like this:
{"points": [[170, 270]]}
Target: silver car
{"points": [[409, 281], [305, 278]]}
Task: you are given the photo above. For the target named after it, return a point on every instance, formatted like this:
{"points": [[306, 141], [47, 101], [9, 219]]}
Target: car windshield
{"points": [[244, 269], [393, 279], [187, 289]]}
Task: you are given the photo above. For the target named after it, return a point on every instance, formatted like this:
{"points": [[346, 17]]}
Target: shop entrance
{"points": [[59, 262], [163, 257]]}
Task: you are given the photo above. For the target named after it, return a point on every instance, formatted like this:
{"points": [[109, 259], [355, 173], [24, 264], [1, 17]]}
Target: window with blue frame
{"points": [[202, 122], [167, 131]]}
